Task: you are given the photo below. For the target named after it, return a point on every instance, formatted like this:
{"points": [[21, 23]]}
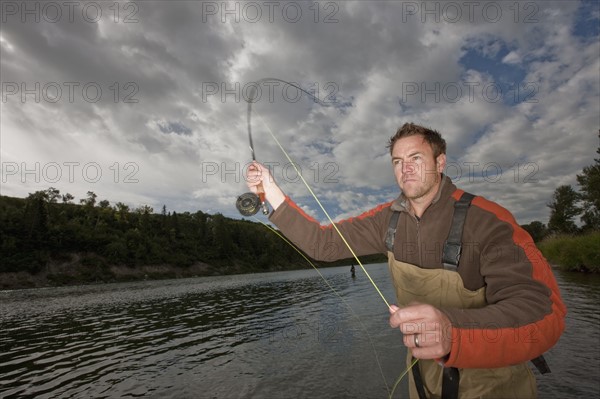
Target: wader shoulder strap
{"points": [[416, 372], [452, 251], [453, 244], [450, 380], [540, 364], [391, 231]]}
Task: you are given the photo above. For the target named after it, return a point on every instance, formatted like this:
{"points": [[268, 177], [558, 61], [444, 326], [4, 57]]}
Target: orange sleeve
{"points": [[525, 313]]}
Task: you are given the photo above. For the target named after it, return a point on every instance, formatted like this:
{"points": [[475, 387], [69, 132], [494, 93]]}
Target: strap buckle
{"points": [[451, 255]]}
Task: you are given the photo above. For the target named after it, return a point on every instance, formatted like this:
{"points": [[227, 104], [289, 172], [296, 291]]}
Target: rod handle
{"points": [[263, 201]]}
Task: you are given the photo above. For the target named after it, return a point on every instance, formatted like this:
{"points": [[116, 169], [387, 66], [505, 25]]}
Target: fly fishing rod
{"points": [[249, 203]]}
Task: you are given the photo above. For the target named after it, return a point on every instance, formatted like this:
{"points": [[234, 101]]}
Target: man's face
{"points": [[417, 171]]}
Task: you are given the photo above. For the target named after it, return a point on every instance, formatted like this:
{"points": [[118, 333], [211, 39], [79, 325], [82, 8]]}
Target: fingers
{"points": [[409, 340], [427, 331], [256, 175], [419, 341], [260, 180], [410, 318]]}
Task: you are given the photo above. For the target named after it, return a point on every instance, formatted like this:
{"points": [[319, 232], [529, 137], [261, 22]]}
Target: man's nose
{"points": [[408, 167]]}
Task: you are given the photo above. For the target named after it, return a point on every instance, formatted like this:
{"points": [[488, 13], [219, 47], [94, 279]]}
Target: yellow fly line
{"points": [[403, 374], [324, 211], [249, 112], [336, 293]]}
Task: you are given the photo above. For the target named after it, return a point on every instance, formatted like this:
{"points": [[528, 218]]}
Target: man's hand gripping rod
{"points": [[249, 203]]}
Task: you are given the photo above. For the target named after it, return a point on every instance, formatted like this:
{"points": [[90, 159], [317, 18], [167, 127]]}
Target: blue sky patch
{"points": [[587, 19], [174, 127], [507, 79]]}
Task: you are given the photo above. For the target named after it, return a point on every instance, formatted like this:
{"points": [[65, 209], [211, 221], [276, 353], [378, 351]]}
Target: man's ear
{"points": [[440, 163]]}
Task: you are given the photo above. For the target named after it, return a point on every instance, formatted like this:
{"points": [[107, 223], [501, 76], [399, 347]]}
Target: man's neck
{"points": [[419, 205]]}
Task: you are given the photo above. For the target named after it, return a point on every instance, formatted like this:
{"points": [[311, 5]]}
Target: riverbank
{"points": [[90, 268], [573, 253], [568, 253], [73, 273]]}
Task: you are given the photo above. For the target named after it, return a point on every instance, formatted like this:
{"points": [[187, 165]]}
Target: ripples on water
{"points": [[275, 335], [270, 335]]}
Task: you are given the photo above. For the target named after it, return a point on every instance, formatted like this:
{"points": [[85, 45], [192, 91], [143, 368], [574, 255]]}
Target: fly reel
{"points": [[249, 203]]}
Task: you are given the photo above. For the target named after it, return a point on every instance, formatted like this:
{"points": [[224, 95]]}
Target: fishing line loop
{"points": [[249, 118]]}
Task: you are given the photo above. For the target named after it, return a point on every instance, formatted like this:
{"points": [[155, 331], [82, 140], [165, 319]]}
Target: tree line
{"points": [[48, 226], [569, 204]]}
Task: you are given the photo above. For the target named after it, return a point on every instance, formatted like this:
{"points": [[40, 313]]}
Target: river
{"points": [[271, 335]]}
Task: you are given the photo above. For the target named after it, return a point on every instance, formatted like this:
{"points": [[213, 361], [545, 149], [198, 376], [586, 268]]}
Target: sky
{"points": [[145, 102]]}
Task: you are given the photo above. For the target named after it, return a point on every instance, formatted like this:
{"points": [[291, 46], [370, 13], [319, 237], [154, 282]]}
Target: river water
{"points": [[272, 335]]}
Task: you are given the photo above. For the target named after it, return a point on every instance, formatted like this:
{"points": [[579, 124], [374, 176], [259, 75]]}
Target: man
{"points": [[474, 327]]}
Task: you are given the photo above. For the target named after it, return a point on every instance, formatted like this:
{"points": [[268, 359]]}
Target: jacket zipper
{"points": [[419, 241]]}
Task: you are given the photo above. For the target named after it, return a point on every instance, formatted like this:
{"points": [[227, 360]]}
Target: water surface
{"points": [[272, 335]]}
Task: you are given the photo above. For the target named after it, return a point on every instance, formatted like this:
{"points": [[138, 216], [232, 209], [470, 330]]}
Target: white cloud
{"points": [[189, 71], [512, 58]]}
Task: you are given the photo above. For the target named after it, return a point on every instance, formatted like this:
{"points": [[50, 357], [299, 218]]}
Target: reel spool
{"points": [[248, 204]]}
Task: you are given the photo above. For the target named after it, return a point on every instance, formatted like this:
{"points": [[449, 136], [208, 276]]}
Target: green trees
{"points": [[536, 229], [567, 204], [589, 181], [90, 200], [569, 207], [563, 210], [571, 247], [48, 227]]}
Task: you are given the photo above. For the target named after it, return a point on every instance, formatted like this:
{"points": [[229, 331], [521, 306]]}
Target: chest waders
{"points": [[445, 288]]}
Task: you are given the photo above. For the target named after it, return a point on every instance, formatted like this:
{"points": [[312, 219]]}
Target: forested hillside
{"points": [[48, 229]]}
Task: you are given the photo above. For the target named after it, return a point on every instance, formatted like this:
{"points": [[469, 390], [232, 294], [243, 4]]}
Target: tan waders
{"points": [[443, 288]]}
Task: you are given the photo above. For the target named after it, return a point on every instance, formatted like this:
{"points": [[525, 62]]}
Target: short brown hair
{"points": [[433, 137]]}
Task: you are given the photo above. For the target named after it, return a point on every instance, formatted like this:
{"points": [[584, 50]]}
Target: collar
{"points": [[401, 204]]}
